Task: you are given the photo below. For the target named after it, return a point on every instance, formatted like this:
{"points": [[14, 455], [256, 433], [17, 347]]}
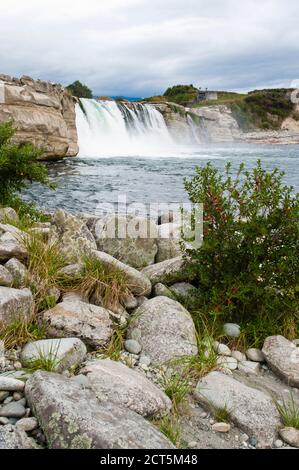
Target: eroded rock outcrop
{"points": [[43, 113]]}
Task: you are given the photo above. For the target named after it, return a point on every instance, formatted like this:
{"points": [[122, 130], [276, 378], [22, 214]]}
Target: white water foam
{"points": [[107, 128]]}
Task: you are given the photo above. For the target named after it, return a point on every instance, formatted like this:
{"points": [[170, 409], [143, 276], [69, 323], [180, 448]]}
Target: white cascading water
{"points": [[107, 128]]}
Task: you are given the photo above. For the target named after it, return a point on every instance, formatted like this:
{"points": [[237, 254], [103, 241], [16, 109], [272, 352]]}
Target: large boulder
{"points": [[115, 382], [138, 283], [15, 304], [283, 358], [167, 272], [18, 271], [131, 240], [73, 235], [166, 330], [250, 409], [74, 318], [64, 353], [73, 418]]}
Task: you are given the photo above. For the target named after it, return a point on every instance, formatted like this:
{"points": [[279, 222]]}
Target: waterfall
{"points": [[198, 130], [109, 128]]}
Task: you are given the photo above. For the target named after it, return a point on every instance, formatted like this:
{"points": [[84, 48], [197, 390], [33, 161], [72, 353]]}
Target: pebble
{"points": [[290, 436], [278, 444], [231, 329], [256, 355], [4, 420], [9, 384], [221, 348], [145, 360], [192, 444], [249, 367], [3, 395], [13, 410], [7, 400], [239, 356], [203, 415], [27, 424], [132, 346], [221, 427], [228, 362], [17, 365], [17, 396]]}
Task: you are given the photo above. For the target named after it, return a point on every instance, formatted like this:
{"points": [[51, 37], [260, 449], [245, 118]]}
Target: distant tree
{"points": [[78, 89], [180, 89]]}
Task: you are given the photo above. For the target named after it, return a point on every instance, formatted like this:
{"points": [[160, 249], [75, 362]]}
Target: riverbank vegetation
{"points": [[247, 270]]}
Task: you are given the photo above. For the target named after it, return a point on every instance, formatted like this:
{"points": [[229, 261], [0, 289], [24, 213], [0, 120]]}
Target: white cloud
{"points": [[139, 47]]}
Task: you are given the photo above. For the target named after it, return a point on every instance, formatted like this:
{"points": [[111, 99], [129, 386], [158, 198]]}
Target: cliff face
{"points": [[216, 124], [43, 113]]}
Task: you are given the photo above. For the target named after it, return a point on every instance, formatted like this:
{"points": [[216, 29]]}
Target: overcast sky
{"points": [[140, 47]]}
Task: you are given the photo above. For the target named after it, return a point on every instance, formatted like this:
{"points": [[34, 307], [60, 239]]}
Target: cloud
{"points": [[140, 47]]}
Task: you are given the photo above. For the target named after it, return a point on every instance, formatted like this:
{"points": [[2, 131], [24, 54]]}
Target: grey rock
{"points": [[137, 281], [251, 410], [256, 355], [227, 362], [8, 213], [167, 330], [18, 271], [14, 438], [131, 240], [71, 270], [3, 421], [232, 330], [72, 417], [249, 367], [283, 358], [15, 409], [90, 323], [3, 395], [221, 427], [278, 444], [15, 303], [183, 291], [6, 278], [160, 289], [132, 346], [9, 384], [65, 352], [11, 245], [27, 424], [290, 436], [221, 349], [115, 382], [167, 272], [239, 356]]}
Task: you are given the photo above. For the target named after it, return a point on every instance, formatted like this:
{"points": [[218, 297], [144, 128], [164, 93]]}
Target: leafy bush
{"points": [[247, 269], [18, 165], [79, 90], [181, 94]]}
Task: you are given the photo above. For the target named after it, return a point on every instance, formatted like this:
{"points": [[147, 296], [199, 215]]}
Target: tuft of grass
{"points": [[116, 344], [289, 412], [169, 426], [196, 367], [28, 214], [48, 362], [20, 332], [220, 413], [176, 386], [105, 286], [44, 262]]}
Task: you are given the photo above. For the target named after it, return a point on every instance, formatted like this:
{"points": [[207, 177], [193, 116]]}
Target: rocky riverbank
{"points": [[108, 374]]}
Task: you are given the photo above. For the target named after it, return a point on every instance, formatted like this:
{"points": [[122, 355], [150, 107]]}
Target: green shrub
{"points": [[247, 269], [18, 165], [79, 90]]}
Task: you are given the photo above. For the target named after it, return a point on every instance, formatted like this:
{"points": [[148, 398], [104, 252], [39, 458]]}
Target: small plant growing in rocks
{"points": [[289, 412]]}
